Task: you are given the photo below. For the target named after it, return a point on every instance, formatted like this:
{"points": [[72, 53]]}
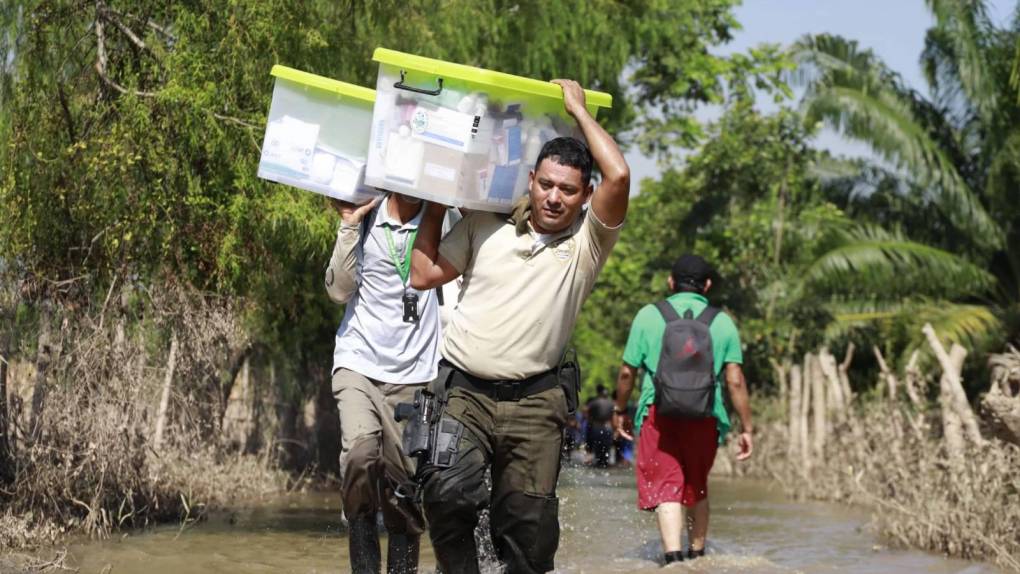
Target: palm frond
{"points": [[822, 56], [827, 168], [849, 315], [857, 96], [883, 263], [973, 326], [964, 27], [1014, 76], [1004, 173]]}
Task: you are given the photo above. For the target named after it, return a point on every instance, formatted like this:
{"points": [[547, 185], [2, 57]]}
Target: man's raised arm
{"points": [[428, 268], [611, 198]]}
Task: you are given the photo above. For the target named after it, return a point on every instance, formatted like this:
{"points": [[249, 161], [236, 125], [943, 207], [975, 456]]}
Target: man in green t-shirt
{"points": [[675, 455]]}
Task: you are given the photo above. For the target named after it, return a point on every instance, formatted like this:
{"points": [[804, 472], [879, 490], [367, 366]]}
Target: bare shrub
{"points": [[898, 466], [92, 465]]}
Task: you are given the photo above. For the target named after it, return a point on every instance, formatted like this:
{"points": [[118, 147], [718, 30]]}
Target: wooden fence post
{"points": [[794, 445], [837, 403], [164, 400], [782, 371], [805, 408], [819, 406], [844, 373], [952, 366], [887, 374], [912, 380]]}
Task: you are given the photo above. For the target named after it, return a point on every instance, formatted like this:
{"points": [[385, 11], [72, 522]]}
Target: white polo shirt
{"points": [[373, 338]]}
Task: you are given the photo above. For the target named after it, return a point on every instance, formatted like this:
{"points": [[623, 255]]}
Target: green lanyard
{"points": [[403, 264]]}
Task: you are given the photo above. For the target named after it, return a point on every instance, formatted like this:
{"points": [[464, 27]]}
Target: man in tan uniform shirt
{"points": [[524, 279]]}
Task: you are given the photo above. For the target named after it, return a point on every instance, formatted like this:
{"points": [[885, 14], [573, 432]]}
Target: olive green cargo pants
{"points": [[372, 463], [520, 441]]}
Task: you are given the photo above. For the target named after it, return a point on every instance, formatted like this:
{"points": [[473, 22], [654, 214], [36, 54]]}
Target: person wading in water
{"points": [[383, 355], [525, 279], [685, 346]]}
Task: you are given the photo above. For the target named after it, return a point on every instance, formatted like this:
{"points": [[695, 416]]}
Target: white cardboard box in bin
{"points": [[461, 135], [317, 135]]}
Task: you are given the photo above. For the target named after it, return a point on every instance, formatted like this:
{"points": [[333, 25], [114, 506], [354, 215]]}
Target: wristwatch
{"points": [[618, 411]]}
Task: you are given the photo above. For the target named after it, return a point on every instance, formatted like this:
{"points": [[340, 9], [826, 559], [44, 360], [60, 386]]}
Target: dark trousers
{"points": [[520, 442], [600, 440]]}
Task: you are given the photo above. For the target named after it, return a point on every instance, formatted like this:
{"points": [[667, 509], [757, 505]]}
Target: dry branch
{"points": [[912, 380], [952, 366], [890, 377], [794, 445], [844, 373], [164, 400], [819, 407], [1001, 404], [102, 62]]}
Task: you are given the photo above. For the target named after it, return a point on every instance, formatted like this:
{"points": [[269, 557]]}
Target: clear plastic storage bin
{"points": [[317, 135], [460, 135]]}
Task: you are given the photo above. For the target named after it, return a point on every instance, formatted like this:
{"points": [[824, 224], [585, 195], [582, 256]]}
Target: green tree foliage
{"points": [[940, 220], [131, 128], [748, 202]]}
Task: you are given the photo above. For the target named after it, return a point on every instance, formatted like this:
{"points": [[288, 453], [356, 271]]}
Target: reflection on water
{"points": [[754, 529]]}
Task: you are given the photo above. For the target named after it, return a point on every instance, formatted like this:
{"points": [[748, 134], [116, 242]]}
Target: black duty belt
{"points": [[502, 389]]}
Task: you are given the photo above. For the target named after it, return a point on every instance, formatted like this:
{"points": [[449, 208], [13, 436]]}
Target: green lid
{"points": [[503, 82], [322, 83]]}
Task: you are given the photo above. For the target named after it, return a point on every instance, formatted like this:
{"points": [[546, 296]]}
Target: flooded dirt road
{"points": [[754, 529]]}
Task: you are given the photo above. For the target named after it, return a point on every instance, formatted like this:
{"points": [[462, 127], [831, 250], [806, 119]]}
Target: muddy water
{"points": [[754, 529]]}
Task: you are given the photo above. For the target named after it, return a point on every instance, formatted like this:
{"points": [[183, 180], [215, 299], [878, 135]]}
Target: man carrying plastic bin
{"points": [[524, 280], [384, 353]]}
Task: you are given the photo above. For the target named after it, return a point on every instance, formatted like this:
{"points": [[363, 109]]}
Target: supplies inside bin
{"points": [[458, 135], [317, 135]]}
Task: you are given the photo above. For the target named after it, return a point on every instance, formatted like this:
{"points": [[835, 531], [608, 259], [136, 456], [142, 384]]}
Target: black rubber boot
{"points": [[402, 554], [366, 557], [671, 557], [458, 559], [692, 553]]}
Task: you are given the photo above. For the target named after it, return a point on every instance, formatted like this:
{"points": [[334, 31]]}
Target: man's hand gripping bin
{"points": [[428, 438]]}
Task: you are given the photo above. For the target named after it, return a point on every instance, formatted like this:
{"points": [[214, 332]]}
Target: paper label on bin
{"points": [[290, 146], [443, 126], [440, 172]]}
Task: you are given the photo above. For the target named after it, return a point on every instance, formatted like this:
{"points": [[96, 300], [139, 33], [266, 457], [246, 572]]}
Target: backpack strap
{"points": [[708, 315], [667, 311], [366, 226]]}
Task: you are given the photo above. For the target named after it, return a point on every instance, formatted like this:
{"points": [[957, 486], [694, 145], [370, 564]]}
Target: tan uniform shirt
{"points": [[518, 302]]}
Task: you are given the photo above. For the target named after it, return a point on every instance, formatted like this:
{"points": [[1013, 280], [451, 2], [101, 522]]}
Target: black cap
{"points": [[691, 270]]}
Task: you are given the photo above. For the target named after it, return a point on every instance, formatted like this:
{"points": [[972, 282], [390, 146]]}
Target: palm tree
{"points": [[941, 195]]}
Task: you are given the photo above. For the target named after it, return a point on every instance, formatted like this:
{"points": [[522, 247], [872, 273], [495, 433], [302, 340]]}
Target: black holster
{"points": [[569, 373], [429, 437]]}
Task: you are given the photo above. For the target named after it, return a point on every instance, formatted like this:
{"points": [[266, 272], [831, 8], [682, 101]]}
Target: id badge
{"points": [[410, 307]]}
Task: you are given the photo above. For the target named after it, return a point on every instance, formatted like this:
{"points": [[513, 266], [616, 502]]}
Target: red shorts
{"points": [[673, 459]]}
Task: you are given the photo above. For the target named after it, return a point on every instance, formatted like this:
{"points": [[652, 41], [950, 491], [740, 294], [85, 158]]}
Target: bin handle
{"points": [[402, 86]]}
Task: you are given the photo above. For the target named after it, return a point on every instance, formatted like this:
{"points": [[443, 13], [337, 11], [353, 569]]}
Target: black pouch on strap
{"points": [[569, 372]]}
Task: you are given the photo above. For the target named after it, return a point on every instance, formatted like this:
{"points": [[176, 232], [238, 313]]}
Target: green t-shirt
{"points": [[645, 343]]}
